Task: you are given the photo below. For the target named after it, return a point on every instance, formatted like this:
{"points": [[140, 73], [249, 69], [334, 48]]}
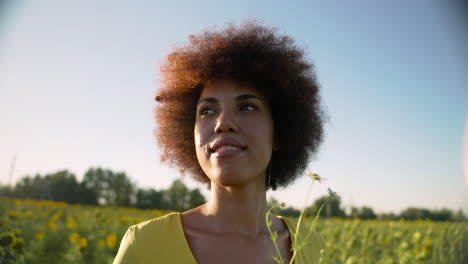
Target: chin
{"points": [[230, 179]]}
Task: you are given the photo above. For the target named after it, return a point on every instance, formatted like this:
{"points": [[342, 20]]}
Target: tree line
{"points": [[108, 188], [103, 187], [333, 208]]}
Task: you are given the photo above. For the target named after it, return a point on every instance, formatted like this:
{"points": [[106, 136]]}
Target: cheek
{"points": [[262, 137], [267, 131], [199, 140]]}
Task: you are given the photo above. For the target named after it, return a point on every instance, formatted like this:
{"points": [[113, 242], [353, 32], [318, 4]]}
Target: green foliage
{"points": [[331, 209], [110, 188], [150, 198], [444, 214], [59, 186], [363, 213], [103, 187], [195, 199], [177, 195], [372, 241], [55, 232], [180, 198], [413, 213], [284, 211]]}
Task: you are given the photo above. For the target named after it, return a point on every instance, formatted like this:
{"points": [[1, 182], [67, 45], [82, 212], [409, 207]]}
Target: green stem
{"points": [[273, 235], [296, 244], [316, 218]]}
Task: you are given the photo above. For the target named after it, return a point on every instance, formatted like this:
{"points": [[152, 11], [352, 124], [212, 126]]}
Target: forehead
{"points": [[227, 88]]}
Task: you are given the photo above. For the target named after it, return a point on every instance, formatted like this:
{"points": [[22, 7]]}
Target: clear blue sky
{"points": [[78, 78]]}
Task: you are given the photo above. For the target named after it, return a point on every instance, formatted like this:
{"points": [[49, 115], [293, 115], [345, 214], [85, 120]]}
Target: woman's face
{"points": [[233, 133]]}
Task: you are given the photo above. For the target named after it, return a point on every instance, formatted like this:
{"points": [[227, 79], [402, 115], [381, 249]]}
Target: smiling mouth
{"points": [[226, 151]]}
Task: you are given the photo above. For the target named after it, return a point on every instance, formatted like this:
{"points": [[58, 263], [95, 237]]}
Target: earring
{"points": [[269, 174]]}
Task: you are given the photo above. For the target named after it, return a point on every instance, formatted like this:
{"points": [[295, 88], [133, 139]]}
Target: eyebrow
{"points": [[238, 98]]}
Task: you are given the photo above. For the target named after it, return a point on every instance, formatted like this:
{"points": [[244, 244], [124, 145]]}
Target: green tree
{"points": [[363, 213], [180, 198], [62, 186], [443, 214], [6, 190], [121, 189], [413, 213], [150, 199], [387, 216], [58, 186], [288, 211], [177, 196], [331, 209], [459, 216], [95, 180], [195, 198], [110, 188], [32, 188]]}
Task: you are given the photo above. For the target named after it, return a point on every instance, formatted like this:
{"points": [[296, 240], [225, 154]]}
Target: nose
{"points": [[225, 123]]}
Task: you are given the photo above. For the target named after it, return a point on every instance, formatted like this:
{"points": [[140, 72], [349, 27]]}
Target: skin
{"points": [[231, 226]]}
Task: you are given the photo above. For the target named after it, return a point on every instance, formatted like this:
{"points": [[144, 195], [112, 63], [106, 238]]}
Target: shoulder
{"points": [[163, 223], [148, 237]]}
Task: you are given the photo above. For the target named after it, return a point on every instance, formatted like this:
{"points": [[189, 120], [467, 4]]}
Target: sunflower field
{"points": [[34, 231]]}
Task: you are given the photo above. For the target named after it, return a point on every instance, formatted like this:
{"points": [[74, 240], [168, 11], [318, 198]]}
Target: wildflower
{"points": [[397, 234], [12, 214], [102, 243], [322, 252], [28, 213], [349, 243], [384, 243], [404, 245], [39, 235], [70, 222], [83, 242], [416, 237], [56, 216], [428, 243], [124, 220], [333, 195], [426, 248], [110, 240], [51, 225], [74, 237], [351, 260], [315, 176]]}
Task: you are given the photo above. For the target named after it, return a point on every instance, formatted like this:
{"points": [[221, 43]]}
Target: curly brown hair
{"points": [[253, 54]]}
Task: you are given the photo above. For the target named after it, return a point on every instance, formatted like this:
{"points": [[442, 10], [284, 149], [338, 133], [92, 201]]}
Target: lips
{"points": [[220, 153], [230, 144]]}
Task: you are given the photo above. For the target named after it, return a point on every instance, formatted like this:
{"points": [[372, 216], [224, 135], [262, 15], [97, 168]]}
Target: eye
{"points": [[247, 106], [205, 111]]}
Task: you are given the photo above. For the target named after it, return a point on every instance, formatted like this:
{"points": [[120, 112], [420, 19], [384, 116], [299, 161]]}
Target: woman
{"points": [[239, 111]]}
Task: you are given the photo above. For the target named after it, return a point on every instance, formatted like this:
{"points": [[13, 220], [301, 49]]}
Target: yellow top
{"points": [[162, 240]]}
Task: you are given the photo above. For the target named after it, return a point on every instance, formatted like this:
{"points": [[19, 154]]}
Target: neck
{"points": [[238, 209]]}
